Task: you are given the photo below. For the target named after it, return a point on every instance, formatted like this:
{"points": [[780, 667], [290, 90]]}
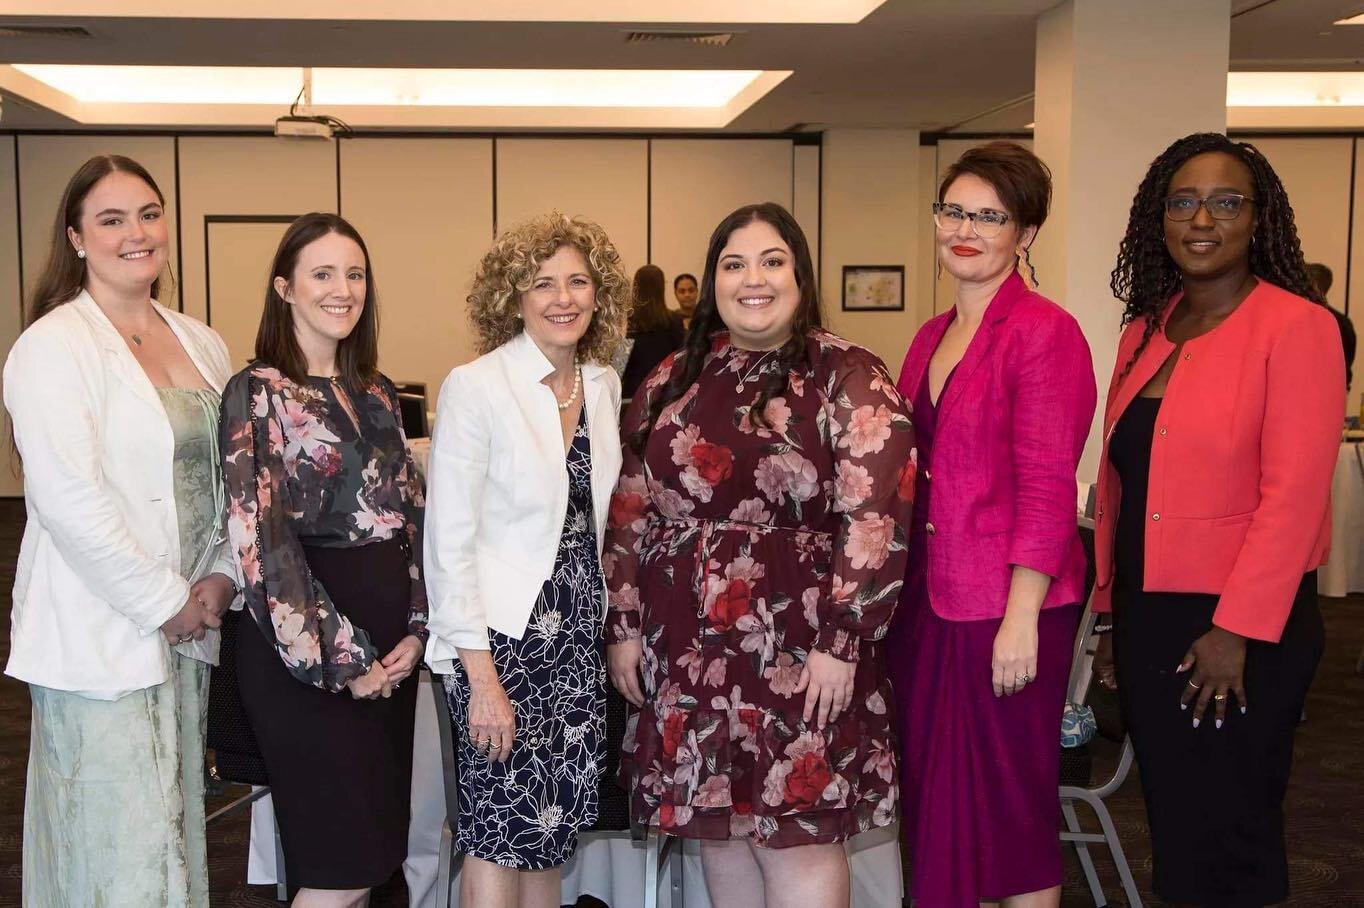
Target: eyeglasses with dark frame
{"points": [[1222, 206], [987, 223]]}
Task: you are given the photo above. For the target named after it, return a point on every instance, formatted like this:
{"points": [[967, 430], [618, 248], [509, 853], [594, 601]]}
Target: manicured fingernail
{"points": [[1243, 710], [1183, 706], [1179, 668], [1219, 723], [1195, 722]]}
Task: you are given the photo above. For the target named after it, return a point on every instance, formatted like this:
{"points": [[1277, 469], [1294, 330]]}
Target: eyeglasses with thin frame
{"points": [[1222, 206], [987, 223]]}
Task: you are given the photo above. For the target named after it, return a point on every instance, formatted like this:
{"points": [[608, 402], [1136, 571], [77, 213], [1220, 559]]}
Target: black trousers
{"points": [[1214, 797]]}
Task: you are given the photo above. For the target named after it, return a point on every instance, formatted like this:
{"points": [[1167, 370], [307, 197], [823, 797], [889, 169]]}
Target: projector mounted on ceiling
{"points": [[294, 125]]}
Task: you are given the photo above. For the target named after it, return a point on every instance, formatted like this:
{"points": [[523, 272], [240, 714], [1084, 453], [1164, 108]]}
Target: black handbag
{"points": [[236, 754]]}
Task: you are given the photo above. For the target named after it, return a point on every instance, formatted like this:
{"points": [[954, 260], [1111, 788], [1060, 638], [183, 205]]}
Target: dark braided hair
{"points": [[794, 355], [1145, 276]]}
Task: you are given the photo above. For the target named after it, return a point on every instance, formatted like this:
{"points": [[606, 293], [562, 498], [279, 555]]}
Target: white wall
{"points": [[871, 193]]}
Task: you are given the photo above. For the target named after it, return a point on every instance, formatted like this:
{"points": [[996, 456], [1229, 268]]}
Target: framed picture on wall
{"points": [[873, 288]]}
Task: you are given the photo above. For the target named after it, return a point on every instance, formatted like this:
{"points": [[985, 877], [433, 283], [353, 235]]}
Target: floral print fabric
{"points": [[732, 550], [310, 464], [526, 812]]}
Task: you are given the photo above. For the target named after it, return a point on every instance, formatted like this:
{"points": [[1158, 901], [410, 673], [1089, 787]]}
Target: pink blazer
{"points": [[1239, 496], [1009, 432]]}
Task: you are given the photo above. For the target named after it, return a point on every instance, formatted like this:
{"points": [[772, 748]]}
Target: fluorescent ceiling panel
{"points": [[1309, 89], [398, 87], [713, 12]]}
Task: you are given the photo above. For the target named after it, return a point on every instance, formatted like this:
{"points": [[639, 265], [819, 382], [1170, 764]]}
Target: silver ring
{"points": [[1024, 678]]}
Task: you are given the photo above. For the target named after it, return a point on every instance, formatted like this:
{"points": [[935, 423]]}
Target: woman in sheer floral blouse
{"points": [[755, 548], [325, 511]]}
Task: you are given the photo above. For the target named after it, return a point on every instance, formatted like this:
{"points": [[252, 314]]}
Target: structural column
{"points": [[1116, 82]]}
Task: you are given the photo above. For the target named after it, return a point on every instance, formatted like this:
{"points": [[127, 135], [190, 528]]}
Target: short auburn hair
{"points": [[1018, 177]]}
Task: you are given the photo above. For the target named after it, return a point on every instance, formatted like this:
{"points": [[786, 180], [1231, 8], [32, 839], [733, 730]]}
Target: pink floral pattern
{"points": [[297, 466], [733, 550]]}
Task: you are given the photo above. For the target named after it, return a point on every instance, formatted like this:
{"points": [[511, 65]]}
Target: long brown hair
{"points": [[648, 309], [357, 355], [63, 277], [794, 355]]}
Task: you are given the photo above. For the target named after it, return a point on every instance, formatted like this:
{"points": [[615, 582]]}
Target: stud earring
{"points": [[80, 253]]}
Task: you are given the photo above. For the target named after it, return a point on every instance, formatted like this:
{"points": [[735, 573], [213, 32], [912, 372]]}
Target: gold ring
{"points": [[1194, 686], [1219, 696]]}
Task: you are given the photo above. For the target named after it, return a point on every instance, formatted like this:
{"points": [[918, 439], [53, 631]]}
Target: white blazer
{"points": [[497, 493], [99, 565]]}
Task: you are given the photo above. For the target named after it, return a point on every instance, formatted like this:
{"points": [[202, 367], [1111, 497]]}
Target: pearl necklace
{"points": [[577, 386]]}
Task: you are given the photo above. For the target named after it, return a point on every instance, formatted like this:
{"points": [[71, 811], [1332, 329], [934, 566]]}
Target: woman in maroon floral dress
{"points": [[753, 565]]}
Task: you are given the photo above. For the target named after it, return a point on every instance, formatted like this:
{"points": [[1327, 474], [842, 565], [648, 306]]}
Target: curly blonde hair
{"points": [[510, 265]]}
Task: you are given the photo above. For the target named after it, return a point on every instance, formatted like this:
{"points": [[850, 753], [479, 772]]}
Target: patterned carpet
{"points": [[1325, 802]]}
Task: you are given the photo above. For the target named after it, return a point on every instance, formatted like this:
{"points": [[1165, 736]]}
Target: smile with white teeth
{"points": [[755, 301], [336, 309], [138, 254], [562, 319]]}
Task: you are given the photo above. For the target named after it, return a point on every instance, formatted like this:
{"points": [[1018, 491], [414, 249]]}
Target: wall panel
{"points": [[244, 176], [603, 180], [439, 191], [696, 182], [11, 299]]}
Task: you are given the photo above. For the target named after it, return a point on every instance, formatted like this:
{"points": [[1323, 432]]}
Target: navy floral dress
{"points": [[526, 812]]}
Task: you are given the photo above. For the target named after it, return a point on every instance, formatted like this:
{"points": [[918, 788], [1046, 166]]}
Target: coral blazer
{"points": [[1009, 431], [1241, 461]]}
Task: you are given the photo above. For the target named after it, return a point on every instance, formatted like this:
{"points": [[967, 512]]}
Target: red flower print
{"points": [[809, 777], [629, 503], [731, 603], [674, 727], [906, 487], [715, 463]]}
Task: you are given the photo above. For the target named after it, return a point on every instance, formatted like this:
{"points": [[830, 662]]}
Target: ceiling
{"points": [[922, 64]]}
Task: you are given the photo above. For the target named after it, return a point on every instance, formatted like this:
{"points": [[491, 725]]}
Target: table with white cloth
{"points": [[1343, 572]]}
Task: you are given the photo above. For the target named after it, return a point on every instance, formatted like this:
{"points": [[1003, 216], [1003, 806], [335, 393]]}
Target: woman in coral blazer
{"points": [[1221, 434], [1003, 394]]}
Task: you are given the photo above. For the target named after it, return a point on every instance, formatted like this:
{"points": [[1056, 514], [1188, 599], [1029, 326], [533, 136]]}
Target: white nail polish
{"points": [[1183, 706], [1219, 723], [1195, 722]]}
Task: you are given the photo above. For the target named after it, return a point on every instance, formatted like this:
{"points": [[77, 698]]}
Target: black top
{"points": [[1130, 451], [651, 348], [1348, 342]]}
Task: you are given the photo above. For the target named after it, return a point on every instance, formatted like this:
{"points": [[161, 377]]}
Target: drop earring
{"points": [[1030, 275]]}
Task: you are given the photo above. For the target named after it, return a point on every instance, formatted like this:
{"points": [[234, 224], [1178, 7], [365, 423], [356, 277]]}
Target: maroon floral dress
{"points": [[733, 550]]}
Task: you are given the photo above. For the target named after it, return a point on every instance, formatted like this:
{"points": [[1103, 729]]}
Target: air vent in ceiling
{"points": [[43, 31], [709, 39]]}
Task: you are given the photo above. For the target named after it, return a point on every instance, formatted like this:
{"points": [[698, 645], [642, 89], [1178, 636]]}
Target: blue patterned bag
{"points": [[1078, 727]]}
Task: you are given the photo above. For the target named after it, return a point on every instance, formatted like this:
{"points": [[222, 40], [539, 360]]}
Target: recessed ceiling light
{"points": [[596, 88], [1300, 89], [710, 12]]}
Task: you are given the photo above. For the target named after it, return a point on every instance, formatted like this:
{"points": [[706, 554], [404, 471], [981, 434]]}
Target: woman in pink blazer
{"points": [[1003, 394], [1221, 435]]}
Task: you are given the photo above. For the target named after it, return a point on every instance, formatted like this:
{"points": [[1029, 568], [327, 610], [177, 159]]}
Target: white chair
{"points": [[662, 848], [447, 861], [1094, 794]]}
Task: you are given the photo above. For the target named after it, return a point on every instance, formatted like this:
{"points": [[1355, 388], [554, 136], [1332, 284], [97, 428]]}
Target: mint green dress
{"points": [[114, 809]]}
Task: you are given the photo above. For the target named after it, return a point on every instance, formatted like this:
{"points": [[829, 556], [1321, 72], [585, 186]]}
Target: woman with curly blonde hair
{"points": [[523, 460]]}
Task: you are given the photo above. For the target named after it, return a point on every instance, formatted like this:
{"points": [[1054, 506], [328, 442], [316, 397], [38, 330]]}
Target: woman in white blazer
{"points": [[122, 573], [524, 457]]}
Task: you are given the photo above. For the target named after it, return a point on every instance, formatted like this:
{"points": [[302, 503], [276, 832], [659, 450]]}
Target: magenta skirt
{"points": [[979, 774]]}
